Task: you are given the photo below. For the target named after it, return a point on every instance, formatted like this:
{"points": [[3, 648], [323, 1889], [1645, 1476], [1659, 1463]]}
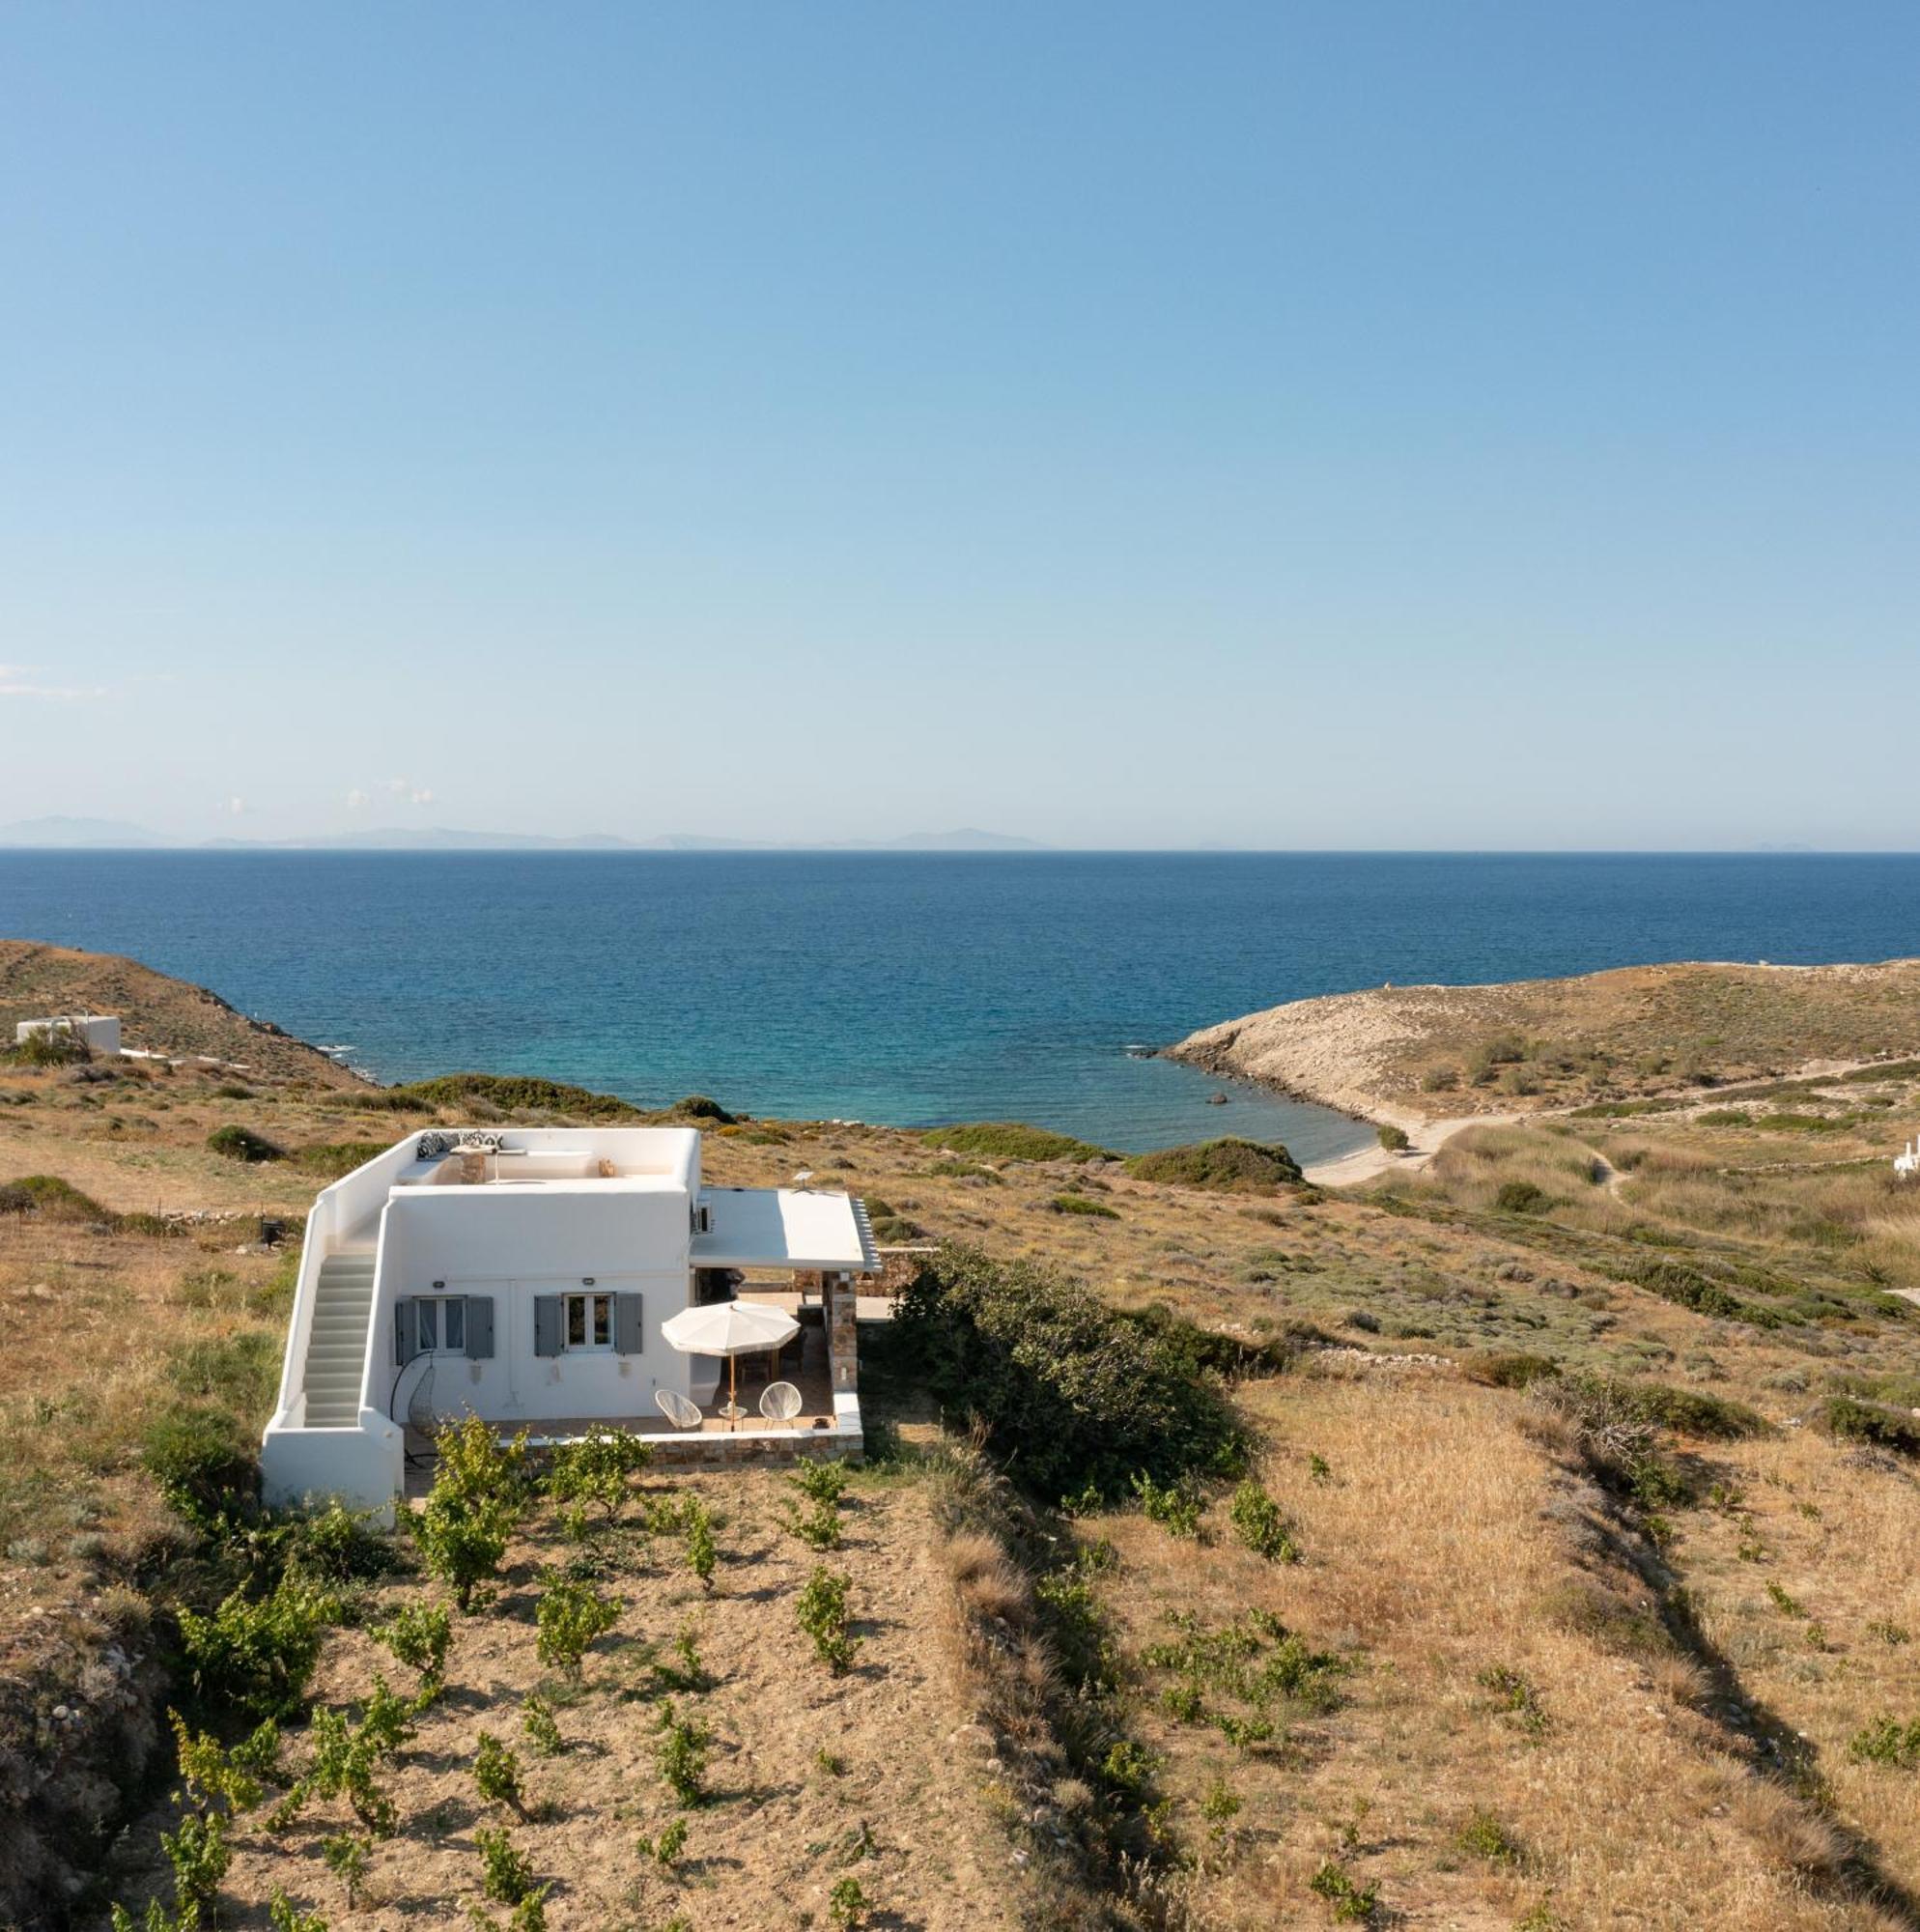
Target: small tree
{"points": [[283, 1916], [347, 1856], [543, 1733], [496, 1772], [847, 1904], [665, 1848], [701, 1554], [418, 1636], [480, 1492], [1394, 1139], [571, 1614], [1260, 1525], [234, 1775], [507, 1875], [596, 1469], [823, 1613], [682, 1755]]}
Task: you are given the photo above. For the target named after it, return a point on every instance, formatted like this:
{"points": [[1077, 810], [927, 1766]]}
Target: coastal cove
{"points": [[910, 989]]}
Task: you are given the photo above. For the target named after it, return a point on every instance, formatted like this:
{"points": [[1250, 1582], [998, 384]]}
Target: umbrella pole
{"points": [[733, 1390]]}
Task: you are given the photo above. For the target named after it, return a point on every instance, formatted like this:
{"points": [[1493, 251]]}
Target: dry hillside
{"points": [[1564, 1578], [1411, 1053], [159, 1014]]}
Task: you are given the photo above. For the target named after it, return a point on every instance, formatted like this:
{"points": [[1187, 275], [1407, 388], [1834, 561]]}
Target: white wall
{"points": [[513, 1244], [99, 1030]]}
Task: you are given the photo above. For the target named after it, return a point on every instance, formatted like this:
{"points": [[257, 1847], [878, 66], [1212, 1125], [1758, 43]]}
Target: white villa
{"points": [[524, 1275]]}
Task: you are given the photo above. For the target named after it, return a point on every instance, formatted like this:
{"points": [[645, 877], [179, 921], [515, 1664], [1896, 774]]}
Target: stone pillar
{"points": [[842, 1337]]}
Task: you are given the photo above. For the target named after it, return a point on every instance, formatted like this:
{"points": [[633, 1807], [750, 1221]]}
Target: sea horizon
{"points": [[919, 989]]}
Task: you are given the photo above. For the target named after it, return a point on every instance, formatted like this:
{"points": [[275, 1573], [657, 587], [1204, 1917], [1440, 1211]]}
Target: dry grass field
{"points": [[1578, 1593]]}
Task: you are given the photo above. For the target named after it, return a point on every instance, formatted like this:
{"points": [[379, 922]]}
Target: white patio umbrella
{"points": [[729, 1328]]}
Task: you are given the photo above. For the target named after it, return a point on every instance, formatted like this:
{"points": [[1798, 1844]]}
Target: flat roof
{"points": [[784, 1228]]}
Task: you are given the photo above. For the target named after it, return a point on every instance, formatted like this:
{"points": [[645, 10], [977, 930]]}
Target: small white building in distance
{"points": [[523, 1275], [99, 1033]]}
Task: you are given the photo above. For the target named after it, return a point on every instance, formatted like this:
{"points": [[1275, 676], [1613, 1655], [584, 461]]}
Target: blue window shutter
{"points": [[627, 1332], [546, 1324], [479, 1327], [405, 1332]]}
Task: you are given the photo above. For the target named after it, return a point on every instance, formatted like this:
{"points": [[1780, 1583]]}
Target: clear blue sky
{"points": [[1346, 424]]}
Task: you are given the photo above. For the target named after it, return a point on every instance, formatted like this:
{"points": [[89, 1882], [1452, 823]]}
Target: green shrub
{"points": [[965, 1170], [1688, 1287], [347, 1856], [681, 1755], [331, 1545], [243, 1144], [497, 1774], [1521, 1197], [1887, 1741], [1517, 1697], [571, 1614], [818, 1525], [699, 1107], [1689, 1411], [543, 1733], [1009, 1140], [418, 1636], [1869, 1422], [480, 1490], [1394, 1139], [1176, 1506], [1516, 1370], [283, 1917], [1352, 1904], [1078, 1203], [346, 1756], [463, 1541], [1227, 1166], [596, 1469], [336, 1158], [697, 1523], [53, 1199], [821, 1482], [506, 1094], [1259, 1522], [50, 1046], [665, 1848], [257, 1655], [507, 1875], [847, 1904], [822, 1615], [1072, 1393], [199, 1853], [207, 1470], [1484, 1837], [235, 1776]]}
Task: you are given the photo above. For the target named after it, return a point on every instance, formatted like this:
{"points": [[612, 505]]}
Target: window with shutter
{"points": [[406, 1332], [546, 1324], [480, 1327], [629, 1332]]}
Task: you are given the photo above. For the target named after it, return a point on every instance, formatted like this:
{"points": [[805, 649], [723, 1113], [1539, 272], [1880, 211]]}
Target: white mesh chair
{"points": [[779, 1402], [678, 1410]]}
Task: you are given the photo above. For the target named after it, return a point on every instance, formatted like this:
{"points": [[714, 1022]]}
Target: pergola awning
{"points": [[785, 1228]]}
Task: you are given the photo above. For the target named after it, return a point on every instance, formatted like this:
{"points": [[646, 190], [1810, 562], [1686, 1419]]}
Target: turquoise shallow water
{"points": [[908, 988]]}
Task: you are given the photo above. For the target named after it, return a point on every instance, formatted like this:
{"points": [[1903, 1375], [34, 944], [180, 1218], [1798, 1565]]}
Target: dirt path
{"points": [[1428, 1137]]}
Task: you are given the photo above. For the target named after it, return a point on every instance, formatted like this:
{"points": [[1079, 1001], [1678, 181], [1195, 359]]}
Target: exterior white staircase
{"points": [[337, 1348]]}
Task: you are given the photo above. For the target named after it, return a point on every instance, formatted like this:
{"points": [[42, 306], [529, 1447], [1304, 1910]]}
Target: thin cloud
{"points": [[22, 681]]}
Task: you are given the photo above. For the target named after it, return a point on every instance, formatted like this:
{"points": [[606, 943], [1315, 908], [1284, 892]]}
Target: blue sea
{"points": [[911, 990]]}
